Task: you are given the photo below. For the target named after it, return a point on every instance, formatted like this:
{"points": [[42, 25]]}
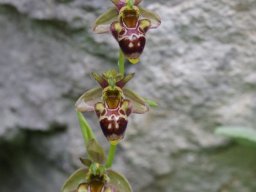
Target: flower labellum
{"points": [[128, 25]]}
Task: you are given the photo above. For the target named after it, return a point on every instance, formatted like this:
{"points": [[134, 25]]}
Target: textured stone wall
{"points": [[200, 66]]}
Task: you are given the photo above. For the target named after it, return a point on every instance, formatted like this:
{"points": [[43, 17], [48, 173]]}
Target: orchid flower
{"points": [[95, 178], [128, 23], [112, 103]]}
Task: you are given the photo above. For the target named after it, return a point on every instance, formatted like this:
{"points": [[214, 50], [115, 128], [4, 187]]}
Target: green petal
{"points": [[119, 181], [153, 17], [99, 78], [75, 180], [102, 23], [95, 151], [243, 135], [136, 2], [125, 80], [116, 2]]}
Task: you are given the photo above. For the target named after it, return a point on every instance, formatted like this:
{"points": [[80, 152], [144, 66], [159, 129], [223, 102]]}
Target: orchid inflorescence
{"points": [[111, 101]]}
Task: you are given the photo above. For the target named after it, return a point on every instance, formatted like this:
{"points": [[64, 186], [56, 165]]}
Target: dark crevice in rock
{"points": [[22, 159], [6, 9], [64, 1], [28, 140]]}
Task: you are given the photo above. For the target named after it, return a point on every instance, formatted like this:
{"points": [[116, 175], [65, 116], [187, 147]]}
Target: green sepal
{"points": [[151, 103], [75, 180], [242, 135], [133, 96], [87, 101], [103, 22], [118, 181], [95, 152], [139, 104], [153, 17]]}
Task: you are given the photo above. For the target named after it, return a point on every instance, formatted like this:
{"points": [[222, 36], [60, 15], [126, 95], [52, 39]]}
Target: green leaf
{"points": [[75, 180], [85, 128], [119, 181], [243, 135], [95, 151]]}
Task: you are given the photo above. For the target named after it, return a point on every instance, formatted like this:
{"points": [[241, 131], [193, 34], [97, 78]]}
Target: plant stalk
{"points": [[111, 155], [112, 148], [121, 61]]}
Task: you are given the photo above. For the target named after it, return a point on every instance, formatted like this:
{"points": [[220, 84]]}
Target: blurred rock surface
{"points": [[199, 66]]}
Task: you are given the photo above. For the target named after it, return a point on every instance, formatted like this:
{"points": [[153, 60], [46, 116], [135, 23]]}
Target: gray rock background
{"points": [[200, 66]]}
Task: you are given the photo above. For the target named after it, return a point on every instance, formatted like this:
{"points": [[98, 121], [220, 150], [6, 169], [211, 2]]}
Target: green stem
{"points": [[121, 61], [111, 155], [112, 148], [85, 128]]}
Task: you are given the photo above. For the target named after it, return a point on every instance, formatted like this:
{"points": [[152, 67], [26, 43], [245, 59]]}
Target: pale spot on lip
{"points": [[130, 45], [117, 126]]}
